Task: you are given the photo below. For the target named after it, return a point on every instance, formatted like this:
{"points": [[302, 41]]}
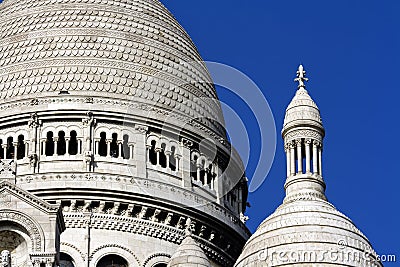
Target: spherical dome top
{"points": [[302, 110], [307, 232], [189, 254], [131, 50]]}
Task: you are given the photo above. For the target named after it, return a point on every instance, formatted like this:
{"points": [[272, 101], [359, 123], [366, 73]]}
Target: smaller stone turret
{"points": [[306, 230], [189, 253]]}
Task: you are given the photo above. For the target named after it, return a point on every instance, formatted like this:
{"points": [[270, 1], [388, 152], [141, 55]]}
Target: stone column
{"points": [[120, 150], [177, 163], [44, 141], [198, 169], [320, 159], [292, 159], [15, 144], [27, 146], [167, 155], [79, 146], [55, 139], [287, 151], [299, 157], [67, 146], [185, 148], [108, 147], [96, 146], [158, 151], [140, 154], [308, 155], [315, 157], [131, 150], [88, 124], [4, 150]]}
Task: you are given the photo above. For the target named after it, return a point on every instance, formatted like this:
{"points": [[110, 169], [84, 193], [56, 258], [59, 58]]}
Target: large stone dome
{"points": [[122, 50], [108, 112]]}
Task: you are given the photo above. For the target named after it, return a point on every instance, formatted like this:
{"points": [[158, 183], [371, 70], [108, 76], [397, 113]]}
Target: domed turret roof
{"points": [[110, 49], [302, 110], [189, 254]]}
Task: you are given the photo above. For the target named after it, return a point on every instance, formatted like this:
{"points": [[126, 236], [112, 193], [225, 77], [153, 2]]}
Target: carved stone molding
{"points": [[35, 233]]}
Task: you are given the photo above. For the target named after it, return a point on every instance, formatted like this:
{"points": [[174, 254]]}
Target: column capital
{"points": [[308, 141], [317, 143], [298, 142]]}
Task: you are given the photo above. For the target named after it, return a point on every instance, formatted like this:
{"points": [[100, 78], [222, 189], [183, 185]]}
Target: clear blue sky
{"points": [[351, 51]]}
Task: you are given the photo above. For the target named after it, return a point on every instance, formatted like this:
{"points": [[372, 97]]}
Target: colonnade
{"points": [[303, 156]]}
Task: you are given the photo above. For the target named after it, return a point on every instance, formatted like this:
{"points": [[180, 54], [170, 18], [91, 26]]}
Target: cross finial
{"points": [[301, 77]]}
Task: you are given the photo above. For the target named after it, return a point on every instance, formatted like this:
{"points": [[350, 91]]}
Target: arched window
{"points": [[163, 157], [172, 159], [114, 150], [193, 167], [10, 148], [103, 145], [66, 260], [61, 145], [153, 153], [112, 261], [1, 149], [210, 174], [202, 172], [160, 265], [126, 154], [73, 144], [21, 147], [49, 144]]}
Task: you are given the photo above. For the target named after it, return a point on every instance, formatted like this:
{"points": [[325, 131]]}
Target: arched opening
{"points": [[163, 157], [112, 261], [193, 168], [61, 145], [203, 172], [15, 246], [114, 150], [73, 143], [66, 260], [21, 147], [49, 144], [172, 159], [126, 154], [10, 148], [1, 149], [210, 174], [160, 265], [103, 144], [153, 153]]}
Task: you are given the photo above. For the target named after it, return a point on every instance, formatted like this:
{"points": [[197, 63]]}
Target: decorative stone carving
{"points": [[5, 258]]}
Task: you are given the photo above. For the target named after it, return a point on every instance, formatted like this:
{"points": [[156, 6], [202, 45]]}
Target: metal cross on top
{"points": [[301, 77]]}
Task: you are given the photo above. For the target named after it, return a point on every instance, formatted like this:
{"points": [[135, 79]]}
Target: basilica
{"points": [[114, 152]]}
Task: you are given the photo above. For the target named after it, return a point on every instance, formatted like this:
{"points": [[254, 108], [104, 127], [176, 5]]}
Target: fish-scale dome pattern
{"points": [[120, 49]]}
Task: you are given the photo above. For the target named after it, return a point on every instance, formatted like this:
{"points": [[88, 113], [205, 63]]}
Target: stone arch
{"points": [[157, 259], [16, 240], [119, 250], [77, 255], [33, 229]]}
